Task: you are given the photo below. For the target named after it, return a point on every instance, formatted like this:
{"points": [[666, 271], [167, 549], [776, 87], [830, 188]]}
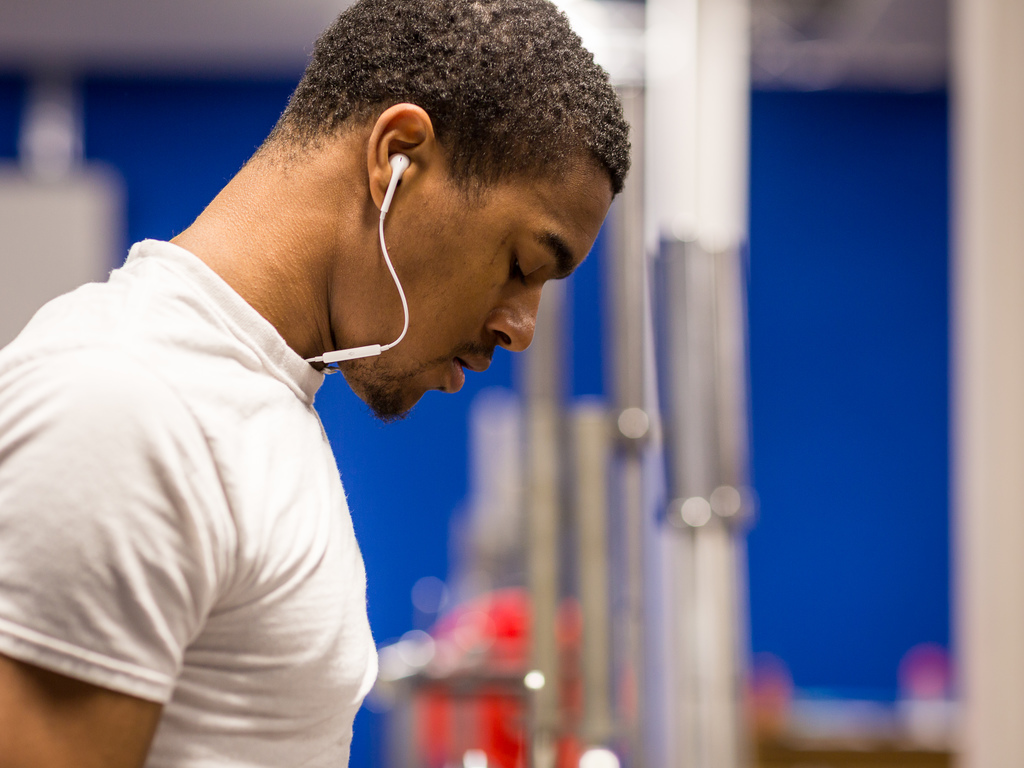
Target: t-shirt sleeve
{"points": [[111, 532]]}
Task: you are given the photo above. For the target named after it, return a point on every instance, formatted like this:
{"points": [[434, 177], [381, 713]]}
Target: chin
{"points": [[389, 397], [389, 403]]}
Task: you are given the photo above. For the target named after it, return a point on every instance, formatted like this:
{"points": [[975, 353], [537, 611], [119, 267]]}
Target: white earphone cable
{"points": [[398, 285], [399, 163]]}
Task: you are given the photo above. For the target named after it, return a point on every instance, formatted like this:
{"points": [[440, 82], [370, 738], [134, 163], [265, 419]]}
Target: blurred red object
{"points": [[925, 672], [477, 700], [769, 695]]}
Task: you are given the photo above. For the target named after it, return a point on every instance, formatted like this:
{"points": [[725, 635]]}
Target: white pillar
{"points": [[697, 123], [696, 134], [988, 330]]}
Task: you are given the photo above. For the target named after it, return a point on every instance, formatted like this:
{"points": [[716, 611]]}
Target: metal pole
{"points": [[592, 451], [704, 399], [628, 302], [698, 97], [988, 360], [543, 389]]}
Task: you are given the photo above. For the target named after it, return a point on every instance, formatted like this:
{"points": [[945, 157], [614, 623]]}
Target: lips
{"points": [[475, 363], [460, 364], [458, 376]]}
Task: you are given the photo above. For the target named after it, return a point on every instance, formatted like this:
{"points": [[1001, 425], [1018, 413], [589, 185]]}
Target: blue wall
{"points": [[11, 95], [176, 143], [848, 339], [848, 312]]}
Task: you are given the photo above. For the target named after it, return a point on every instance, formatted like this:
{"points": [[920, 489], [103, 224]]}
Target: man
{"points": [[179, 581]]}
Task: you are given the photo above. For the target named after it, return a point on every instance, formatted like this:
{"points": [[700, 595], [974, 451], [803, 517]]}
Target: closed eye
{"points": [[516, 271]]}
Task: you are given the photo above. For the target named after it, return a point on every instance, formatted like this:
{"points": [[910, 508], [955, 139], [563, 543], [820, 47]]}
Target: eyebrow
{"points": [[565, 263]]}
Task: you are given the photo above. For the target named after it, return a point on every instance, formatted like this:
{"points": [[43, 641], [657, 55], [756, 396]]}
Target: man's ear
{"points": [[404, 128]]}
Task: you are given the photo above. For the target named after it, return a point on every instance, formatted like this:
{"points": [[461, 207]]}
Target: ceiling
{"points": [[880, 44], [805, 44], [234, 37], [202, 37]]}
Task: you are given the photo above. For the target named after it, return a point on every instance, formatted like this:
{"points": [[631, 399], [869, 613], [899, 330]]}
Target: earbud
{"points": [[399, 163]]}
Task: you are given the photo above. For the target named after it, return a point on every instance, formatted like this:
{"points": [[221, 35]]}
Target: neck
{"points": [[287, 233]]}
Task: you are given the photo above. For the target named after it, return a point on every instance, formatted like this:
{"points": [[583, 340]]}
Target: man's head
{"points": [[507, 83], [473, 267], [517, 146]]}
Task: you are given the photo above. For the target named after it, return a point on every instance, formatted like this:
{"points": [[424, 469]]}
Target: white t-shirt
{"points": [[172, 522]]}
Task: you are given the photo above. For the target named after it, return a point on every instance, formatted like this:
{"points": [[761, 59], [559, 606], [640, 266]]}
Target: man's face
{"points": [[473, 268]]}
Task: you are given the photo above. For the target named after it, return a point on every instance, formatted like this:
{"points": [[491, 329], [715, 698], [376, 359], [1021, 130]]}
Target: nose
{"points": [[514, 321]]}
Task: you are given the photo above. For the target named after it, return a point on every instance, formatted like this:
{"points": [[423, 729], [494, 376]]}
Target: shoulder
{"points": [[89, 396], [95, 432]]}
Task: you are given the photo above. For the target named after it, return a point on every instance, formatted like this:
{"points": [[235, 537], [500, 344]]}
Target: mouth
{"points": [[477, 364], [459, 364], [458, 375]]}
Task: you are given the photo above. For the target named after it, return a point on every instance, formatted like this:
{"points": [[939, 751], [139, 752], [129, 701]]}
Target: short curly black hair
{"points": [[508, 85]]}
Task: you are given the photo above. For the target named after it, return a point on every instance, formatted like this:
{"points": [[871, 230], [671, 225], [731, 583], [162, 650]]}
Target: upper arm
{"points": [[109, 556], [52, 721]]}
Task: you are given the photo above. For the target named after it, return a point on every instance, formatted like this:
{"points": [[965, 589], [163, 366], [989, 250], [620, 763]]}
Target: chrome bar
{"points": [[629, 306], [704, 409], [543, 391], [592, 450]]}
